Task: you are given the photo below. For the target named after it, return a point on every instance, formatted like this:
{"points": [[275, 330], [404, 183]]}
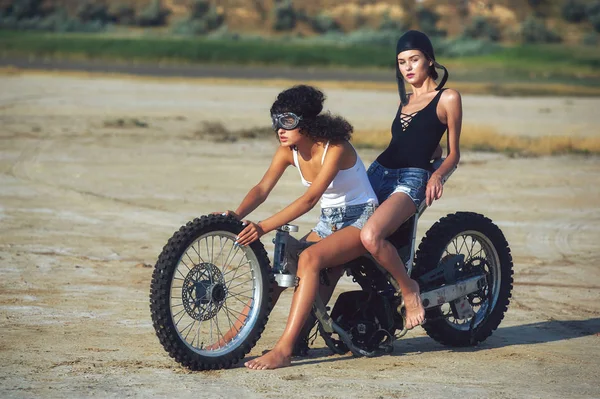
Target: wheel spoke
{"points": [[221, 247], [241, 292], [243, 282], [179, 271], [227, 258], [235, 311], [190, 258], [190, 330], [219, 333], [454, 243], [463, 244], [208, 253], [234, 275], [188, 326], [237, 268], [227, 314], [176, 314], [238, 299], [229, 311], [473, 243], [199, 257]]}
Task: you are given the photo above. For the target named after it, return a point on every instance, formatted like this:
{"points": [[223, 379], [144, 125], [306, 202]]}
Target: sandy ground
{"points": [[85, 209]]}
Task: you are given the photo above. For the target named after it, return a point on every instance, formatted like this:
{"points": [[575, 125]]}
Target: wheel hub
{"points": [[204, 291]]}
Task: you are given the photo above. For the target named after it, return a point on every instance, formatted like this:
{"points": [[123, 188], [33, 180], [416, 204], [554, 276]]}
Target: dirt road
{"points": [[85, 208]]}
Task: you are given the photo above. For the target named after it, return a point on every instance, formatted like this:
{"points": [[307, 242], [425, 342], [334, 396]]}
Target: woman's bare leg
{"points": [[387, 218], [338, 248]]}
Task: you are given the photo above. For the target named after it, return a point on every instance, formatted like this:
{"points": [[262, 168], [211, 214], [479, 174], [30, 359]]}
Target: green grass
{"points": [[538, 60], [192, 50], [527, 63]]}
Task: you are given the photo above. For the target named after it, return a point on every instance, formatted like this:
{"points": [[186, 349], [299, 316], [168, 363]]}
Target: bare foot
{"points": [[415, 312], [273, 360]]}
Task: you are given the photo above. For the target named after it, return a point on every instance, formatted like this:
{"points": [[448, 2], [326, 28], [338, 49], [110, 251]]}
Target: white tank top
{"points": [[349, 187]]}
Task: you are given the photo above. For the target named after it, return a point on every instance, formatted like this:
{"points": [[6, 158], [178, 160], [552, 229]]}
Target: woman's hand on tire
{"points": [[434, 189], [252, 232]]}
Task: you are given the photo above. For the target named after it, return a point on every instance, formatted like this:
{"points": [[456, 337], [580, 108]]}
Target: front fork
{"points": [[282, 261]]}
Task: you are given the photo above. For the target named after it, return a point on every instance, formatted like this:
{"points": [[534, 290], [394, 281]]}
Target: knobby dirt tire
{"points": [[160, 294], [428, 256]]}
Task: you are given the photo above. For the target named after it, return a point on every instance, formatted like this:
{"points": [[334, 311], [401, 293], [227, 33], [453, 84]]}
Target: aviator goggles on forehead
{"points": [[287, 121]]}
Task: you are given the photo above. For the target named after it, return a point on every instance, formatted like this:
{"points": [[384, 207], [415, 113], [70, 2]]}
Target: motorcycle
{"points": [[210, 299]]}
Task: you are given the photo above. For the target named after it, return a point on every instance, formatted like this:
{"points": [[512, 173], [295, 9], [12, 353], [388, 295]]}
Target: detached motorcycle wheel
{"points": [[204, 286], [485, 250]]}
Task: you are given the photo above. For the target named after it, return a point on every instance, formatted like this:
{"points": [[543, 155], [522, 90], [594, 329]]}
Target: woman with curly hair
{"points": [[317, 145]]}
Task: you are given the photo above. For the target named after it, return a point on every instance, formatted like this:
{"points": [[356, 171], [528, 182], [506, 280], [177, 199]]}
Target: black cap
{"points": [[415, 40]]}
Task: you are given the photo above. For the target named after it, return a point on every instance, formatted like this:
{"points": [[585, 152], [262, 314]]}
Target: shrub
{"points": [[302, 16], [540, 7], [593, 8], [591, 39], [482, 28], [190, 27], [57, 21], [360, 20], [223, 33], [595, 20], [123, 14], [388, 24], [284, 16], [534, 30], [323, 23], [24, 9], [428, 20], [463, 8], [91, 11], [199, 8], [573, 11], [213, 19], [153, 15], [203, 19]]}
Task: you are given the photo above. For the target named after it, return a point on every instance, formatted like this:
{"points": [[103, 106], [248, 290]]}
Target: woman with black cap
{"points": [[401, 175]]}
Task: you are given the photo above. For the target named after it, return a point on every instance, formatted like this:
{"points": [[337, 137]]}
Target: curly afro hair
{"points": [[307, 101], [328, 127], [302, 100]]}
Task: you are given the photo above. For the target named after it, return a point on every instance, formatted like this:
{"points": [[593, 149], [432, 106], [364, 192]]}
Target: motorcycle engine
{"points": [[368, 317]]}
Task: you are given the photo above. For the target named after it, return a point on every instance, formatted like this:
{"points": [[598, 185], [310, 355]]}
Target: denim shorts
{"points": [[334, 219], [410, 181]]}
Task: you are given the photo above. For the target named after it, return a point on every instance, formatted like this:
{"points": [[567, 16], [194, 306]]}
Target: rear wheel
{"points": [[484, 250], [210, 299]]}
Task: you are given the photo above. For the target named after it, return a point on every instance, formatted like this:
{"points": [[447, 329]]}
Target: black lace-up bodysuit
{"points": [[414, 138]]}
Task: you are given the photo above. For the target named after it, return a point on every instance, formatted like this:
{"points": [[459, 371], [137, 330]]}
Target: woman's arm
{"points": [[300, 206], [259, 193], [451, 107]]}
